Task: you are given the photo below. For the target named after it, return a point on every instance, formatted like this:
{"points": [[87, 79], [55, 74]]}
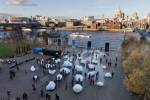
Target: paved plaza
{"points": [[113, 88]]}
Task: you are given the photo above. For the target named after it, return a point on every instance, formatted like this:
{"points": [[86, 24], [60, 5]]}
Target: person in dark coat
{"points": [[72, 82], [42, 93], [93, 81], [12, 74], [116, 59], [33, 87], [116, 64], [47, 96], [100, 60], [25, 96], [57, 97], [106, 60], [18, 98], [104, 56], [112, 74], [8, 93], [85, 75]]}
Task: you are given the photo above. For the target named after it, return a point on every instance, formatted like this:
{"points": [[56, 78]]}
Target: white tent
{"points": [[79, 58], [91, 73], [102, 54], [67, 63], [51, 86], [79, 77], [52, 72], [108, 75], [65, 70], [57, 61], [83, 61], [66, 57], [103, 66], [91, 66], [59, 77], [53, 58], [52, 66], [94, 61], [100, 84], [32, 68], [48, 65], [78, 68], [77, 88], [70, 58]]}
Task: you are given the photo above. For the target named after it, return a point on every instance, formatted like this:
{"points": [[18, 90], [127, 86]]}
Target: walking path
{"points": [[113, 89]]}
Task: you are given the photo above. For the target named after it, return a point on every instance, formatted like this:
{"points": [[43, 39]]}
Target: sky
{"points": [[73, 8]]}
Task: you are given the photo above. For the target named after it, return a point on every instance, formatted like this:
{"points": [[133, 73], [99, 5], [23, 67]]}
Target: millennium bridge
{"points": [[19, 25]]}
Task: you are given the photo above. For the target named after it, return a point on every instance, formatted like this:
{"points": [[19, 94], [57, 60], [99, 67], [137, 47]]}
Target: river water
{"points": [[98, 39]]}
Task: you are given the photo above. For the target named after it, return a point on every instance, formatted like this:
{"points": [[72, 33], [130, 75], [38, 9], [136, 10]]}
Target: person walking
{"points": [[25, 96], [85, 75], [108, 64], [104, 56], [8, 93], [100, 60], [97, 76], [106, 60], [47, 96], [112, 74], [116, 59], [72, 82], [11, 74], [33, 87], [14, 73], [116, 64], [93, 82], [57, 97], [18, 98], [42, 93]]}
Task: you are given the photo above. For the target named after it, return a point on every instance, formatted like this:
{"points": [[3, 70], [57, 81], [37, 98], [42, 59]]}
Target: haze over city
{"points": [[72, 8]]}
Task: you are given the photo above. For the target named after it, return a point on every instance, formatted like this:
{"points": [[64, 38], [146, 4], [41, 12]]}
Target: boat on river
{"points": [[26, 29], [79, 35]]}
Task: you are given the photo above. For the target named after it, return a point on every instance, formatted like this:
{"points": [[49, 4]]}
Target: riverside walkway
{"points": [[113, 88]]}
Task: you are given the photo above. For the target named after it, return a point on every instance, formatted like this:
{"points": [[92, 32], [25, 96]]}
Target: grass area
{"points": [[6, 50]]}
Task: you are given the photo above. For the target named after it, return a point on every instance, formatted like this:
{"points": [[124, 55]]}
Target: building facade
{"points": [[88, 18]]}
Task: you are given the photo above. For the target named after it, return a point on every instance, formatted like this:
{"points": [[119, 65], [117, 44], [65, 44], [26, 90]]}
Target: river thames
{"points": [[98, 38]]}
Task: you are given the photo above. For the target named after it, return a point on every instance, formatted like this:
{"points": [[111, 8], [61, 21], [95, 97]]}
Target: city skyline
{"points": [[72, 8]]}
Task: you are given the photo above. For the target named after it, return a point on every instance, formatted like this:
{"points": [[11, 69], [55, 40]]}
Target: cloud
{"points": [[21, 2]]}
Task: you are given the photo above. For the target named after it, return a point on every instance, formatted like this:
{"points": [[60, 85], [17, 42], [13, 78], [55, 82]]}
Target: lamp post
{"points": [[124, 34]]}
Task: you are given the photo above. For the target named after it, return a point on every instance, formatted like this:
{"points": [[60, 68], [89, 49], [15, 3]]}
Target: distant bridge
{"points": [[19, 25]]}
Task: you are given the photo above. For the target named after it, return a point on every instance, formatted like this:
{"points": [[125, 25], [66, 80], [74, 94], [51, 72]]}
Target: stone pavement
{"points": [[112, 90]]}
